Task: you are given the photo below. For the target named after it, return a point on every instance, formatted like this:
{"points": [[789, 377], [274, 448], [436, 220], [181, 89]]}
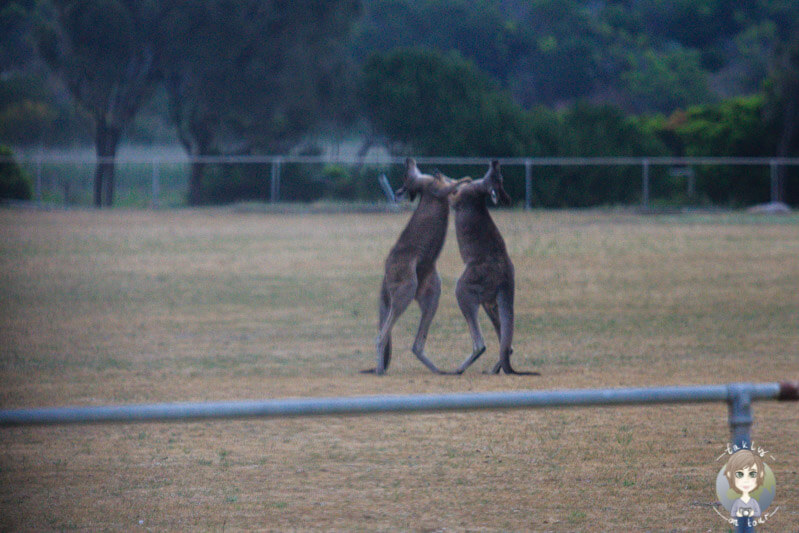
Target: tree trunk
{"points": [[196, 138], [785, 143], [195, 182], [98, 182], [106, 140]]}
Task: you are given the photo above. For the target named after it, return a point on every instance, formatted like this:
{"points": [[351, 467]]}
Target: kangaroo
{"points": [[488, 277], [410, 270]]}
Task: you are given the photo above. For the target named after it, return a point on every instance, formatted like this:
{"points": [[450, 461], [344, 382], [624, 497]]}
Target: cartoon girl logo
{"points": [[745, 472], [746, 485]]}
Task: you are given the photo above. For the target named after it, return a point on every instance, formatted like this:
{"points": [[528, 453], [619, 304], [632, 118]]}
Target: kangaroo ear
{"points": [[495, 176], [493, 172]]}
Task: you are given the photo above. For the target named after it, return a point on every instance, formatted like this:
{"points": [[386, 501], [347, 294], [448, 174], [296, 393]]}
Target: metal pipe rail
{"points": [[738, 395]]}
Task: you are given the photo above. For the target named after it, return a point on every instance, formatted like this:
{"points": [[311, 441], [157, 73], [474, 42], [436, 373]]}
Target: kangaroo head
{"points": [[415, 182], [494, 184]]}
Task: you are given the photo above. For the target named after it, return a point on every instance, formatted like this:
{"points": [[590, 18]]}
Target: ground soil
{"points": [[120, 307]]}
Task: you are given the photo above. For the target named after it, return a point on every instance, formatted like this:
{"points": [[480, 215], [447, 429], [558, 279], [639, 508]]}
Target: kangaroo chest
{"points": [[479, 239], [423, 237]]}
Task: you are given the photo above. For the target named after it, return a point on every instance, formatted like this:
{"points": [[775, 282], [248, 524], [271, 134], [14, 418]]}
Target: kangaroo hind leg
{"points": [[505, 311], [492, 310], [427, 296], [469, 302], [399, 297]]}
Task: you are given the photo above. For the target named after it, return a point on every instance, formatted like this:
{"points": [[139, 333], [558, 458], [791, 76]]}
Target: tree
{"points": [[247, 75], [17, 48], [478, 29], [734, 127], [14, 182], [25, 112], [557, 52], [664, 81], [596, 131], [30, 110], [441, 104], [697, 23], [106, 52], [782, 102], [200, 63]]}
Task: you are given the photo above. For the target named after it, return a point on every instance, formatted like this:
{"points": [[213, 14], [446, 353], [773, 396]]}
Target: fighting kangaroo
{"points": [[410, 271], [488, 277]]}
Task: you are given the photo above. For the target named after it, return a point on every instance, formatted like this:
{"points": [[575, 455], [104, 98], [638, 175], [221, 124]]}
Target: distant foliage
{"points": [[739, 127], [425, 77], [254, 75], [665, 81], [14, 182], [441, 104], [30, 114], [598, 131], [650, 56]]}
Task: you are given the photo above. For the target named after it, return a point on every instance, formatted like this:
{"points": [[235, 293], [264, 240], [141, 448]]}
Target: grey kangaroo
{"points": [[488, 277], [410, 271]]}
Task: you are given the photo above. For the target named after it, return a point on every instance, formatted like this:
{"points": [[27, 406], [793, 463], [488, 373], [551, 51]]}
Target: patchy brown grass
{"points": [[142, 306]]}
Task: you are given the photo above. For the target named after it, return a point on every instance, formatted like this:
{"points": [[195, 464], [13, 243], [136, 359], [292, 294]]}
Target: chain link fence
{"points": [[161, 179]]}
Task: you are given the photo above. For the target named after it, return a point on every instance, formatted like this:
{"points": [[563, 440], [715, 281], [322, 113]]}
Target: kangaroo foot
{"points": [[513, 372], [522, 372], [510, 370], [471, 359], [419, 353]]}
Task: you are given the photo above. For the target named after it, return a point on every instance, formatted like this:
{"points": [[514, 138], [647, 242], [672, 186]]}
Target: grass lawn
{"points": [[118, 306]]}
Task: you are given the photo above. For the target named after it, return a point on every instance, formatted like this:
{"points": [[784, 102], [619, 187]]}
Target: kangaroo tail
{"points": [[505, 304], [385, 304]]}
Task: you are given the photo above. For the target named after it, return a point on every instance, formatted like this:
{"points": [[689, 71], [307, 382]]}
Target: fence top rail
{"points": [[396, 160], [294, 407]]}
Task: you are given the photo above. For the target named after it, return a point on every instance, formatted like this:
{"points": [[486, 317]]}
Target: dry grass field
{"points": [[120, 307]]}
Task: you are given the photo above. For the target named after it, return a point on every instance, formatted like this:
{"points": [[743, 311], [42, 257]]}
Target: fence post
{"points": [[739, 400], [274, 190], [528, 184], [645, 184]]}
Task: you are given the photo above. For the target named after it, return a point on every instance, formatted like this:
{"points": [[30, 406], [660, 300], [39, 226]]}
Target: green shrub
{"points": [[14, 182]]}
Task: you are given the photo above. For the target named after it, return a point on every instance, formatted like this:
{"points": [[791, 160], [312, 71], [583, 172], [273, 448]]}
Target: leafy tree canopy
{"points": [[648, 56], [442, 104]]}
